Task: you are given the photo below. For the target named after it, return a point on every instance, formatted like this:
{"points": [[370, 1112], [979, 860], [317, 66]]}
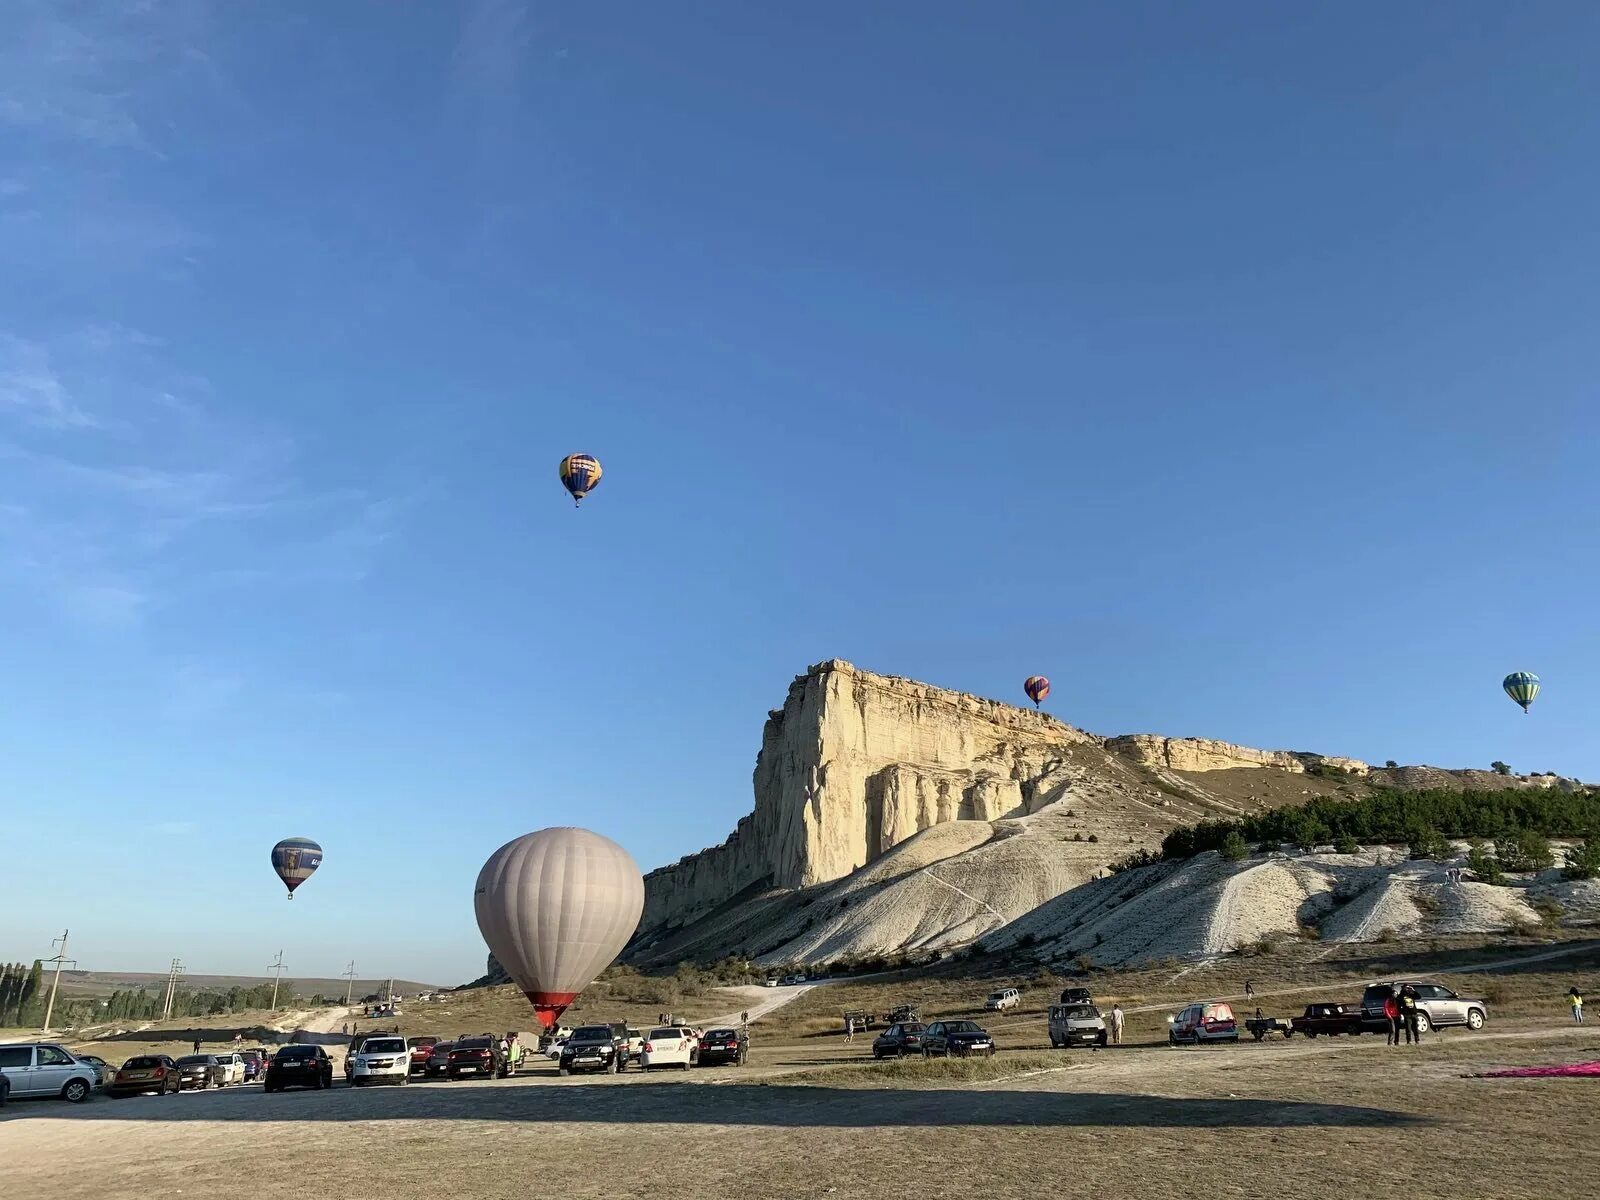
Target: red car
{"points": [[1203, 1023], [421, 1051]]}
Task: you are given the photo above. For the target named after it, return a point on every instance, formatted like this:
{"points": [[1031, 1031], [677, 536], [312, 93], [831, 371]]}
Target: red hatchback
{"points": [[421, 1051], [1203, 1023]]}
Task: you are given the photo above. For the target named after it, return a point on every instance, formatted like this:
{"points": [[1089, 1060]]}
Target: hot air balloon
{"points": [[556, 907], [579, 475], [1522, 686], [294, 859], [1037, 687]]}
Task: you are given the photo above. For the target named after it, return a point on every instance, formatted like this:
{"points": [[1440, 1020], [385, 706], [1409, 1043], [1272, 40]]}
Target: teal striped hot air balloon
{"points": [[1522, 686]]}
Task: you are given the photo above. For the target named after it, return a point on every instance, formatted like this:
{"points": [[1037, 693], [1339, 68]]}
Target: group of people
{"points": [[1400, 1009]]}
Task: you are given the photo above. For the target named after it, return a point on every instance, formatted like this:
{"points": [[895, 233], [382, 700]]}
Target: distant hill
{"points": [[103, 983]]}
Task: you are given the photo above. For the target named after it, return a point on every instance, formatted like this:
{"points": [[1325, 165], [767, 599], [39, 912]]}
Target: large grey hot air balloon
{"points": [[556, 907]]}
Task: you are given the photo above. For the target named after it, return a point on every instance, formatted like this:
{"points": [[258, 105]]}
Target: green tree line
{"points": [[21, 994], [1391, 815]]}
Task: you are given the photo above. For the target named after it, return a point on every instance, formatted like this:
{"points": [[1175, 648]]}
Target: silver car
{"points": [[1437, 1006], [38, 1069]]}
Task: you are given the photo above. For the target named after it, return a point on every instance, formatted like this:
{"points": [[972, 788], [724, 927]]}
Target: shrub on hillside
{"points": [[1346, 845], [1482, 863], [1583, 860], [1524, 850], [1234, 847], [1427, 843]]}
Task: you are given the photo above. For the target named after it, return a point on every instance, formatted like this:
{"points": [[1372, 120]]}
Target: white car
{"points": [[232, 1069], [670, 1046], [381, 1060], [635, 1044], [1003, 999]]}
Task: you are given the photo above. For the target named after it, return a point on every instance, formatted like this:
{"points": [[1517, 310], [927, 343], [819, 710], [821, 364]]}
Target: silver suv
{"points": [[36, 1069], [1436, 1006]]}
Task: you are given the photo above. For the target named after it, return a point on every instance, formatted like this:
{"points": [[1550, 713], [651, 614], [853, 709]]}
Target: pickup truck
{"points": [[1331, 1019]]}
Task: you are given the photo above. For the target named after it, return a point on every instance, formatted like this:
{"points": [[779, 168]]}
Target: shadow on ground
{"points": [[743, 1104]]}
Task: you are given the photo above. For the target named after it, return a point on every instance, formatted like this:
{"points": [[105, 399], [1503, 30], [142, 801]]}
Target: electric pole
{"points": [[60, 959], [276, 966], [173, 975], [350, 981]]}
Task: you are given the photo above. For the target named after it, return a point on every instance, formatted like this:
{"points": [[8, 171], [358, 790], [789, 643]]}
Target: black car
{"points": [[438, 1063], [960, 1038], [479, 1057], [903, 1037], [1076, 996], [595, 1048], [720, 1046], [298, 1066]]}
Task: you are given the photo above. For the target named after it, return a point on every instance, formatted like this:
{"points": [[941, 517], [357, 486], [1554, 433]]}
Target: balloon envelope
{"points": [[579, 474], [1037, 687], [556, 907], [294, 859], [1521, 686]]}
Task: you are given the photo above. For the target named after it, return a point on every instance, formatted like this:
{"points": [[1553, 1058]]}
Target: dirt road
{"points": [[1285, 1119]]}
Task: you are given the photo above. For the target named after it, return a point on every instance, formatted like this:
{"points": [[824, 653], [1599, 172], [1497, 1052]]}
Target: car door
{"points": [[16, 1062], [52, 1068], [1441, 1005]]}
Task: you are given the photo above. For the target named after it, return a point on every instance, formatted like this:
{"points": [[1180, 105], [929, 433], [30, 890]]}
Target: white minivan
{"points": [[382, 1060]]}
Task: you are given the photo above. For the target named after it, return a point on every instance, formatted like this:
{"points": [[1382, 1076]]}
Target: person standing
{"points": [[1249, 990], [197, 1045], [1116, 1024], [1575, 998], [1391, 1013], [849, 1030], [1408, 1010]]}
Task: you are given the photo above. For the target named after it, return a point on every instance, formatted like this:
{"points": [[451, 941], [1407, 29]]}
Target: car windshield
{"points": [[473, 1044], [722, 1033], [1082, 1010], [194, 1060], [383, 1046], [592, 1033], [134, 1064], [961, 1027], [289, 1052], [665, 1035], [997, 995]]}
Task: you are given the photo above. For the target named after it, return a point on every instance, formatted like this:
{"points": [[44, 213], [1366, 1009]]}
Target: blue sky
{"points": [[1233, 367]]}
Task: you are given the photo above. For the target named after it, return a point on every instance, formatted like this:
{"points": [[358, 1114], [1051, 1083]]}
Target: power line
{"points": [[350, 981], [174, 974]]}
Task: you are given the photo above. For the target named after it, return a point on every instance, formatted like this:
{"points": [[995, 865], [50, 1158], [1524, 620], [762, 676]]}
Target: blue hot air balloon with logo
{"points": [[1521, 686], [294, 859]]}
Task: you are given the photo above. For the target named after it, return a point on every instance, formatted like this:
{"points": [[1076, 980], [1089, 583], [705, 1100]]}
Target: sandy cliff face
{"points": [[854, 764]]}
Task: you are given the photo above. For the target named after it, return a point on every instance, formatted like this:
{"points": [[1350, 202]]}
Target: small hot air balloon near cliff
{"points": [[294, 859], [1037, 687], [579, 475], [1521, 686], [556, 908]]}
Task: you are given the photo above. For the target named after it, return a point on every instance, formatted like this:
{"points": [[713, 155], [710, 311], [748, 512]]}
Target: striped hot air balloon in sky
{"points": [[294, 859], [579, 475], [1037, 687], [1522, 686]]}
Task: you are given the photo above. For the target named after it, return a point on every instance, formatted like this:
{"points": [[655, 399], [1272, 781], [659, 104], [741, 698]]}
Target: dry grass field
{"points": [[809, 1116]]}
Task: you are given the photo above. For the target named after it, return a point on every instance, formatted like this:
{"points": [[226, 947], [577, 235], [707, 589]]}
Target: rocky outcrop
{"points": [[1204, 754], [852, 765]]}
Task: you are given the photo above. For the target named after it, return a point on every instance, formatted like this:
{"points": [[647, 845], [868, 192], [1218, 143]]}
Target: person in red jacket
{"points": [[1391, 1010]]}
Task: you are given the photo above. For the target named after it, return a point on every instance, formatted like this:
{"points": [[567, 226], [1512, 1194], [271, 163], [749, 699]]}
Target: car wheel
{"points": [[404, 1079], [267, 1089], [1475, 1019], [1423, 1024], [76, 1091]]}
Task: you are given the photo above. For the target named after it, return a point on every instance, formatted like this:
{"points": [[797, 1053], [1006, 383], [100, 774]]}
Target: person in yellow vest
{"points": [[1575, 998]]}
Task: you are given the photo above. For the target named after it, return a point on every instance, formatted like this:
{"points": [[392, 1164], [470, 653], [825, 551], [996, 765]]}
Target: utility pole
{"points": [[173, 975], [276, 966], [60, 959], [350, 981]]}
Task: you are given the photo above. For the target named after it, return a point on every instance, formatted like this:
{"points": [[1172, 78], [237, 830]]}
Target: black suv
{"points": [[1076, 996], [720, 1046], [595, 1048], [298, 1066]]}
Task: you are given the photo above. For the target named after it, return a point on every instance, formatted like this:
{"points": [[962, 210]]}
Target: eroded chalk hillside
{"points": [[892, 815]]}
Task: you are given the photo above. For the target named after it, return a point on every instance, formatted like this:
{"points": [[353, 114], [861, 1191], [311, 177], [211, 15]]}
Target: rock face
{"points": [[891, 814], [852, 765]]}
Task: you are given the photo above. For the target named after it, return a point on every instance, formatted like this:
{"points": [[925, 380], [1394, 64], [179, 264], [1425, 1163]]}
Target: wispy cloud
{"points": [[31, 389]]}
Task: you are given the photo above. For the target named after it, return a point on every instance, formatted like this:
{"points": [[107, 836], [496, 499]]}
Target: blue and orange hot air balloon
{"points": [[1037, 687], [579, 475], [1521, 686], [294, 859]]}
